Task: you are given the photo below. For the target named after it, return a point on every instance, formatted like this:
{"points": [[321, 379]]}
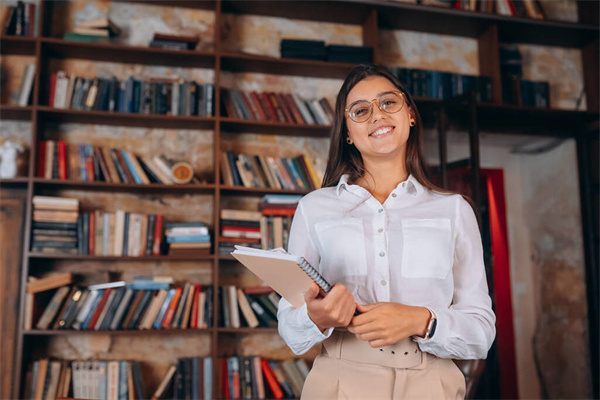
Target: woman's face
{"points": [[383, 135]]}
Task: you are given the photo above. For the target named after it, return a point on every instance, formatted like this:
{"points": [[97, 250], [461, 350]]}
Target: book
{"points": [[289, 275]]}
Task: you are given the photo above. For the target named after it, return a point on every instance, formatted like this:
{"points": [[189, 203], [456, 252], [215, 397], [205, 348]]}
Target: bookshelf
{"points": [[372, 16]]}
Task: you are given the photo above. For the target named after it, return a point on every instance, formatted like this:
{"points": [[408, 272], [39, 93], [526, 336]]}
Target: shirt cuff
{"points": [[307, 325], [428, 344]]}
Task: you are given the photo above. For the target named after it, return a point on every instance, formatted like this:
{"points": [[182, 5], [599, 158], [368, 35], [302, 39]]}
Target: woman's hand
{"points": [[383, 324], [334, 310]]}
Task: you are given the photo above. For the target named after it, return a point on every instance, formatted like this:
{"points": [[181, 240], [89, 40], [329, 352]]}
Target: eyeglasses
{"points": [[361, 110]]}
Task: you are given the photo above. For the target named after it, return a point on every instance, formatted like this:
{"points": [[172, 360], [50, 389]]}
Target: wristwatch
{"points": [[431, 325]]}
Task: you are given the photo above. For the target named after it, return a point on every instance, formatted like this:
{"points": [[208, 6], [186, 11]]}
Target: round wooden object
{"points": [[182, 172]]}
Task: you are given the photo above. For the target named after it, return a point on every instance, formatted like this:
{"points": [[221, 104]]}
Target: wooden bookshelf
{"points": [[373, 16]]}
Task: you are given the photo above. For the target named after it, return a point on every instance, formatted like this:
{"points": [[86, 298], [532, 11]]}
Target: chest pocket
{"points": [[343, 248], [427, 248]]}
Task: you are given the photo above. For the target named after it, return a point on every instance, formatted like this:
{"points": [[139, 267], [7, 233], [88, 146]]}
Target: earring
{"points": [[412, 123], [348, 140]]}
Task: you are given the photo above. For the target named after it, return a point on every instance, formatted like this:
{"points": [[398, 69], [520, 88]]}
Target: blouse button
{"points": [[403, 184], [383, 283], [381, 254], [380, 210], [380, 230], [393, 194]]}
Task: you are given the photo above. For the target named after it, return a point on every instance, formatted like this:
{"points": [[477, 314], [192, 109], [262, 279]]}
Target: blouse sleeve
{"points": [[295, 326], [466, 329]]}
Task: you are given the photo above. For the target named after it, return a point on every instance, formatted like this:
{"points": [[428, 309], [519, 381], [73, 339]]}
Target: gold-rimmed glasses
{"points": [[361, 110]]}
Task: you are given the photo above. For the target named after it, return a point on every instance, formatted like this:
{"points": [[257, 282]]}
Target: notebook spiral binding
{"points": [[315, 275]]}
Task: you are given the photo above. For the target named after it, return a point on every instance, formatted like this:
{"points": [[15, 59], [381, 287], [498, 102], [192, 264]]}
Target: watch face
{"points": [[433, 326]]}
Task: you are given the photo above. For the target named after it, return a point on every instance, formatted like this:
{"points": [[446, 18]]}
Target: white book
{"points": [[160, 174], [311, 107], [101, 379], [76, 371], [47, 200], [85, 309], [201, 305], [208, 378], [175, 99], [105, 233], [321, 112], [163, 167], [303, 110], [119, 229], [26, 85], [234, 310], [60, 91], [137, 226]]}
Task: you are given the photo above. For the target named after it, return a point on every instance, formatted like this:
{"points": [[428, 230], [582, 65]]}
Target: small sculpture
{"points": [[8, 162]]}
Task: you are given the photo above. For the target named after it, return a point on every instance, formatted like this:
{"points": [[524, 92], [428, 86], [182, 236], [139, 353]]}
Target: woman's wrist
{"points": [[422, 322]]}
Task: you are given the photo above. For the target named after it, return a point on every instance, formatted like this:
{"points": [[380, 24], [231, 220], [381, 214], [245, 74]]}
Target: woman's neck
{"points": [[381, 178]]}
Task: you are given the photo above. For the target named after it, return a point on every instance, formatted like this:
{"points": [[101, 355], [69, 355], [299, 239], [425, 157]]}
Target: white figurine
{"points": [[8, 154]]}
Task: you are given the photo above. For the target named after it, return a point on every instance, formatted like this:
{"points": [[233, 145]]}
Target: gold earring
{"points": [[348, 140]]}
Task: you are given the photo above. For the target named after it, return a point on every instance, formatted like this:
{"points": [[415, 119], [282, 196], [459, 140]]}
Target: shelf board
{"points": [[273, 128], [17, 45], [284, 66], [56, 256], [114, 52], [16, 113], [125, 119], [532, 120], [144, 332], [197, 4], [246, 330], [14, 182], [123, 187], [253, 191]]}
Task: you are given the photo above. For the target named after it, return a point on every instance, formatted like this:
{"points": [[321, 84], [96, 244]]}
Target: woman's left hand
{"points": [[383, 324]]}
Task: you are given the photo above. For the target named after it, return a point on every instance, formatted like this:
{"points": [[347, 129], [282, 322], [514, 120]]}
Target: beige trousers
{"points": [[339, 373]]}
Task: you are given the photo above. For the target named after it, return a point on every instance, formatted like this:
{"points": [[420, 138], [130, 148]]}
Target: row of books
{"points": [[444, 85], [248, 307], [190, 378], [161, 95], [253, 377], [20, 20], [52, 379], [239, 227], [276, 107], [89, 163], [55, 224], [295, 173], [515, 8], [316, 50], [188, 239], [143, 303]]}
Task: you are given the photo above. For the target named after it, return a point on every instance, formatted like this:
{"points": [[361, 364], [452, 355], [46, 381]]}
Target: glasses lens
{"points": [[391, 102], [360, 111]]}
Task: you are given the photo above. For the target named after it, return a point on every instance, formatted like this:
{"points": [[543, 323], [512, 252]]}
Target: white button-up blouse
{"points": [[418, 248]]}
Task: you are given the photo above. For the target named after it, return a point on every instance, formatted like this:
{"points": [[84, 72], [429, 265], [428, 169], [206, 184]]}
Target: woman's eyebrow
{"points": [[376, 96]]}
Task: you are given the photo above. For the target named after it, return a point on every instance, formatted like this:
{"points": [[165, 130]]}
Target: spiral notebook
{"points": [[287, 274]]}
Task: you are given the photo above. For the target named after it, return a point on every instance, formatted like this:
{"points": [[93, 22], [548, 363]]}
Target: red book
{"points": [[158, 227], [52, 89], [286, 113], [171, 311], [240, 228], [92, 234], [99, 309], [270, 109], [62, 160], [291, 105], [89, 166], [279, 211], [31, 18], [228, 106], [278, 111], [224, 391], [256, 102], [271, 379], [258, 290], [195, 305], [513, 9], [41, 166], [457, 5]]}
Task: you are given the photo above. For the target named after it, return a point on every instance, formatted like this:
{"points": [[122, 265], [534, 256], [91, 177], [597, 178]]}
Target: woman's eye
{"points": [[360, 111], [388, 103]]}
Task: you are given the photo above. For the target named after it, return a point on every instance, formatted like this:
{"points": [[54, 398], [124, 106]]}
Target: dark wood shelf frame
{"points": [[17, 45]]}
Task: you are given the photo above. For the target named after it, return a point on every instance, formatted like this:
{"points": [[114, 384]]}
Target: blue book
{"points": [[86, 322], [171, 225], [123, 394], [207, 378], [233, 365], [122, 91], [163, 310], [189, 239], [135, 285], [101, 367], [195, 370], [82, 166], [127, 158], [129, 95]]}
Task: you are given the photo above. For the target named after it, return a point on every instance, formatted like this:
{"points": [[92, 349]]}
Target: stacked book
{"points": [[444, 85], [50, 379], [191, 378], [20, 20], [120, 233], [174, 42], [89, 163], [277, 211], [239, 227], [304, 49], [297, 173], [143, 303], [99, 29], [515, 89], [276, 107], [188, 239], [252, 377], [55, 224], [168, 96], [25, 92], [249, 307], [41, 286], [350, 54]]}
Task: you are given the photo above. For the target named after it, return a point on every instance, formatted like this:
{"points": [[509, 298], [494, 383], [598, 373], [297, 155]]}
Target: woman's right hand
{"points": [[334, 310]]}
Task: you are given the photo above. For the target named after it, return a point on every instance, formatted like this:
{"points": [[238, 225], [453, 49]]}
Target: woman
{"points": [[406, 257]]}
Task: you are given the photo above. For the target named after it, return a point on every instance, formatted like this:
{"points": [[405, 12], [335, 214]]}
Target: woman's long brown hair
{"points": [[346, 159]]}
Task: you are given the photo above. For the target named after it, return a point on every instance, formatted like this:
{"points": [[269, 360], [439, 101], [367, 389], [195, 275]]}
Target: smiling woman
{"points": [[404, 254]]}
